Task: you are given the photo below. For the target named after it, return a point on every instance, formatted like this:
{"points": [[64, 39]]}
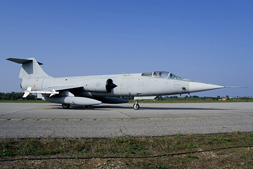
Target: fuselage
{"points": [[94, 90], [138, 84]]}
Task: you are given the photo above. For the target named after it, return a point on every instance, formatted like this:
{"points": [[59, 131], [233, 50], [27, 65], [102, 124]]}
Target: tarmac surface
{"points": [[24, 120]]}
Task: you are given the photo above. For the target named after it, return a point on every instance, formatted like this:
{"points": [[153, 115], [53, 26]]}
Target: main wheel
{"points": [[65, 106], [136, 106]]}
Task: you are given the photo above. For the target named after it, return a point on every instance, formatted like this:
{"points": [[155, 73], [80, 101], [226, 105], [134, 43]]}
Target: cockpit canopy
{"points": [[161, 74]]}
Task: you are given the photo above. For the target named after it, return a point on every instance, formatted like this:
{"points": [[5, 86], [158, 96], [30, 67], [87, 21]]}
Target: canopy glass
{"points": [[161, 74]]}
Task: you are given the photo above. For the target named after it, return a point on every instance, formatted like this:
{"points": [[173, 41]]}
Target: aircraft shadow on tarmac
{"points": [[100, 107], [159, 108]]}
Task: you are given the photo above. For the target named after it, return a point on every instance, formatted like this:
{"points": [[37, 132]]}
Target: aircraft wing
{"points": [[51, 90], [61, 88]]}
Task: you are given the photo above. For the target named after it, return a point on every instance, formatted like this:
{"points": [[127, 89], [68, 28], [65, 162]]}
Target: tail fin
{"points": [[30, 68]]}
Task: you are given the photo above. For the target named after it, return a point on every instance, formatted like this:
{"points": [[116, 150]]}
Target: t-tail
{"points": [[30, 68]]}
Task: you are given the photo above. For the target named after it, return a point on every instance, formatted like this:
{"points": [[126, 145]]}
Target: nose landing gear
{"points": [[136, 106]]}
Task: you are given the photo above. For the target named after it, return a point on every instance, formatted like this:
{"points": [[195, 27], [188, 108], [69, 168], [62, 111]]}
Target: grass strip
{"points": [[116, 157], [122, 146], [231, 150]]}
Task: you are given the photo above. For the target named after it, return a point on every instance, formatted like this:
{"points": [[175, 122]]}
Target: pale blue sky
{"points": [[208, 41]]}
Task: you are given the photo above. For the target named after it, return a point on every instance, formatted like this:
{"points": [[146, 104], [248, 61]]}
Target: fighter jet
{"points": [[94, 90]]}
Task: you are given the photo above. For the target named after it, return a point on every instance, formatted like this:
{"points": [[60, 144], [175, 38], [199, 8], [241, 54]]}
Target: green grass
{"points": [[122, 146], [180, 151]]}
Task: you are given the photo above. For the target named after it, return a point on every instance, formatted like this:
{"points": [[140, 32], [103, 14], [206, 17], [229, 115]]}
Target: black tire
{"points": [[65, 106], [136, 106]]}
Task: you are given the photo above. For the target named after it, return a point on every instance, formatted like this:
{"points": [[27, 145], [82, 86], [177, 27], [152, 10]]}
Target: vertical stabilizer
{"points": [[30, 68]]}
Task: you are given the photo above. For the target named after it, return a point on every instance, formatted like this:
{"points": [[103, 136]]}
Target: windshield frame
{"points": [[161, 74]]}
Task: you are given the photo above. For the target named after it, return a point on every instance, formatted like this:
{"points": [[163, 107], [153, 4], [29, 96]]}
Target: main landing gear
{"points": [[136, 106], [65, 106]]}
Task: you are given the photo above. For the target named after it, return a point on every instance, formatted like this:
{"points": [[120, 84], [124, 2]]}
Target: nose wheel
{"points": [[136, 106]]}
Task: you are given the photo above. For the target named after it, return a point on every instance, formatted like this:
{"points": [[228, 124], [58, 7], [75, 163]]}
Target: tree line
{"points": [[16, 96], [19, 96]]}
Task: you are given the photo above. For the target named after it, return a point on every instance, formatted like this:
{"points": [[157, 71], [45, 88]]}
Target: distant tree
{"points": [[16, 96], [2, 96], [31, 97], [175, 97]]}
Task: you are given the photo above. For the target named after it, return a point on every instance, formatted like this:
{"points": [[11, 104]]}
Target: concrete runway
{"points": [[20, 120]]}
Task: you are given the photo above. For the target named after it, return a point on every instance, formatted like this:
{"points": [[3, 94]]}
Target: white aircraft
{"points": [[94, 90]]}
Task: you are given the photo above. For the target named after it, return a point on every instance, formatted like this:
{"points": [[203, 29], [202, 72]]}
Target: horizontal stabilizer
{"points": [[22, 61]]}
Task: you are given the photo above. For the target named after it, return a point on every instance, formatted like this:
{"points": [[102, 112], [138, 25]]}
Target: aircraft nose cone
{"points": [[198, 86]]}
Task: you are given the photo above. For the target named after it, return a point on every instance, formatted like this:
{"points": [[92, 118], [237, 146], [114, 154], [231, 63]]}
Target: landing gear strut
{"points": [[65, 106], [136, 106]]}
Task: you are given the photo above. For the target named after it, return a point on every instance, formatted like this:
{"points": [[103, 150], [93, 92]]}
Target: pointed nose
{"points": [[198, 86]]}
